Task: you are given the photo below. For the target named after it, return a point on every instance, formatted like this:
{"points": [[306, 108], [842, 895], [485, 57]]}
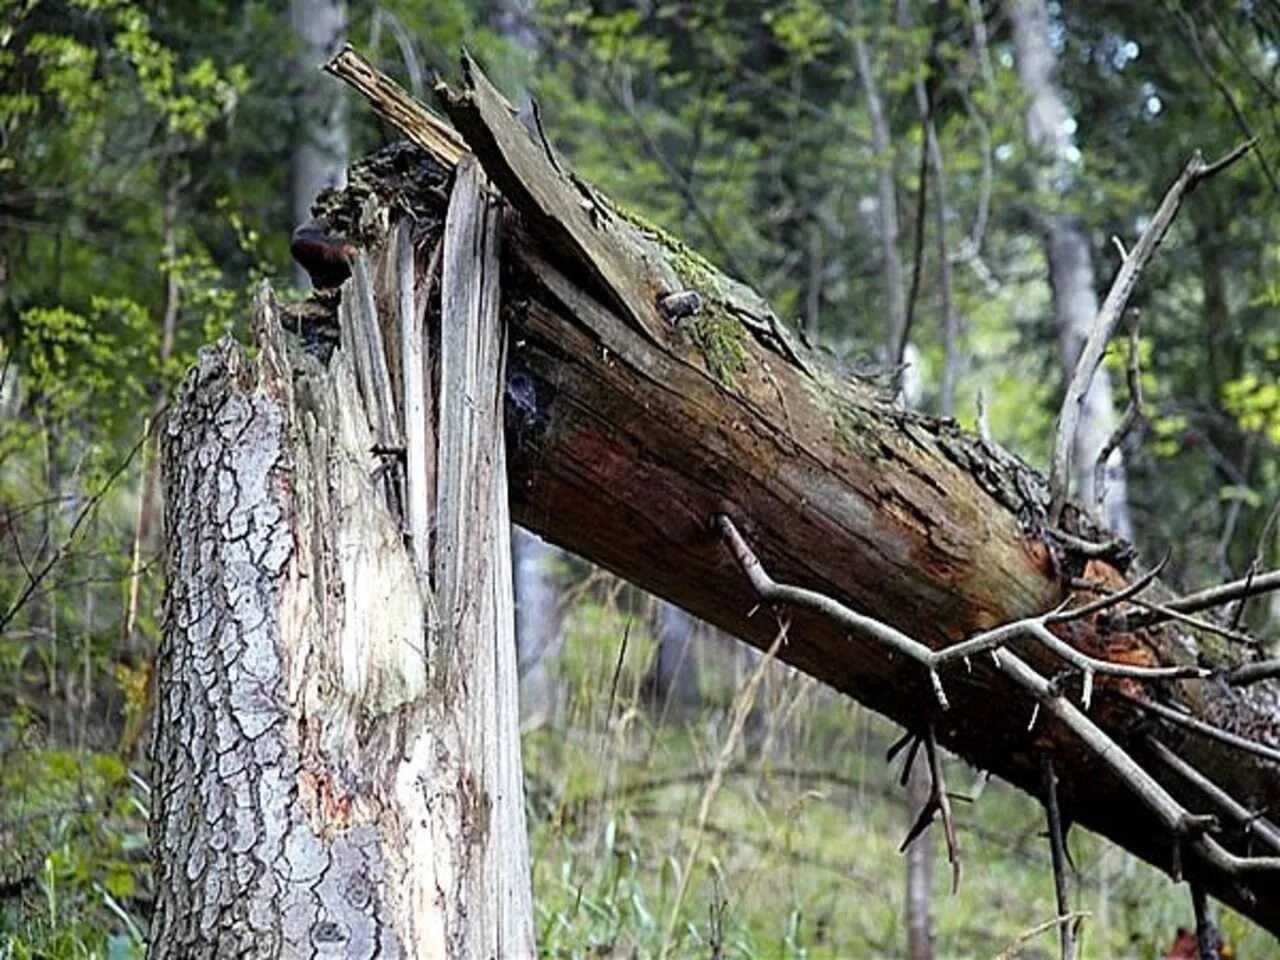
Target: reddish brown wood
{"points": [[627, 435]]}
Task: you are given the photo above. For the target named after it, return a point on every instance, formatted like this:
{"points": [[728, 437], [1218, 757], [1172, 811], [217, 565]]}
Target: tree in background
{"points": [[743, 128]]}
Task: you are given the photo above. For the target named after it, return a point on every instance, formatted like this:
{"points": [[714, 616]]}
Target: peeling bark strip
{"points": [[629, 431], [333, 775]]}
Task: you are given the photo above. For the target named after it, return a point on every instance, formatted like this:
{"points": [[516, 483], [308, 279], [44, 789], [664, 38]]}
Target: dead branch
{"points": [[1058, 856], [1185, 827], [1253, 823], [1253, 672], [1204, 599], [1132, 414], [933, 660], [1119, 623], [1204, 729], [1121, 290]]}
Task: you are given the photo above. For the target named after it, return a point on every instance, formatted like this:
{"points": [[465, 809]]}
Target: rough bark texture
{"points": [[628, 431], [337, 766]]}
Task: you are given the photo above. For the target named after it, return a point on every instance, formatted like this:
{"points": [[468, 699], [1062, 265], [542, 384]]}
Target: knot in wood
{"points": [[681, 304]]}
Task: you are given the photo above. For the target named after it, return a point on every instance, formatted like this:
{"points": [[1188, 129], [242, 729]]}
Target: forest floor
{"points": [[799, 855]]}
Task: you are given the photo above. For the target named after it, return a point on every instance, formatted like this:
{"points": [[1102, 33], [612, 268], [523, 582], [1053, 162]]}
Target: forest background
{"points": [[876, 169]]}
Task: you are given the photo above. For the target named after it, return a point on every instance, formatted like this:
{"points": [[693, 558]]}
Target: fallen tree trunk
{"points": [[648, 395]]}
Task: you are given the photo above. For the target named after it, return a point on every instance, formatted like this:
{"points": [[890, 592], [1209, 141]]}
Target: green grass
{"points": [[800, 855]]}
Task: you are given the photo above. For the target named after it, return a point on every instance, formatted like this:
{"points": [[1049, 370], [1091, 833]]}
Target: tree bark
{"points": [[632, 423], [337, 768]]}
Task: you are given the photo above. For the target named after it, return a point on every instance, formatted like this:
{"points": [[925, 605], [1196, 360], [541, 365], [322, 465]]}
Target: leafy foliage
{"points": [[143, 150]]}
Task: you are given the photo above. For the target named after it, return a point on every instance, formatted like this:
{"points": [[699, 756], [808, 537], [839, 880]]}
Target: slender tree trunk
{"points": [[321, 150], [886, 206], [671, 686], [1075, 299], [921, 935], [539, 626]]}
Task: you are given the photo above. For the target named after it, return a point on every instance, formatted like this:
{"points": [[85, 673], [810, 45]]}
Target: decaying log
{"points": [[631, 427]]}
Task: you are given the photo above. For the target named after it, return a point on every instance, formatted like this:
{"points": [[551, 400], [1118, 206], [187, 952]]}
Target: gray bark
{"points": [[337, 768], [1075, 299], [886, 207], [921, 935], [322, 150]]}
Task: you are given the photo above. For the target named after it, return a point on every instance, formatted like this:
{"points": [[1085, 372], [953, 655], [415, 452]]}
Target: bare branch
{"points": [[1149, 791], [1122, 623], [1205, 729], [1253, 823], [1132, 414], [1114, 548], [1208, 939], [1058, 854], [933, 660], [1122, 288], [1205, 599], [1253, 672]]}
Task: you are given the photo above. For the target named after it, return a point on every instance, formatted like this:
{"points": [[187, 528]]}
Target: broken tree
{"points": [[337, 760], [661, 422]]}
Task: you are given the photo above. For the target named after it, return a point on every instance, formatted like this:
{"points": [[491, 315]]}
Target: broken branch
{"points": [[1104, 326]]}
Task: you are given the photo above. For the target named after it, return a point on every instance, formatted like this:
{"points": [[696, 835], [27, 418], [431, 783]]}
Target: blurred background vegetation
{"points": [[146, 157]]}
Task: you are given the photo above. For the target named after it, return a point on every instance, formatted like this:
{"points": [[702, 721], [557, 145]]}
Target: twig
{"points": [[741, 710], [1205, 599], [1016, 945], [35, 578], [1122, 623], [1058, 855], [1204, 729], [932, 660], [1104, 325], [1116, 547], [1208, 939], [1192, 37], [1132, 414], [1253, 823], [617, 673], [943, 802], [1253, 672]]}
